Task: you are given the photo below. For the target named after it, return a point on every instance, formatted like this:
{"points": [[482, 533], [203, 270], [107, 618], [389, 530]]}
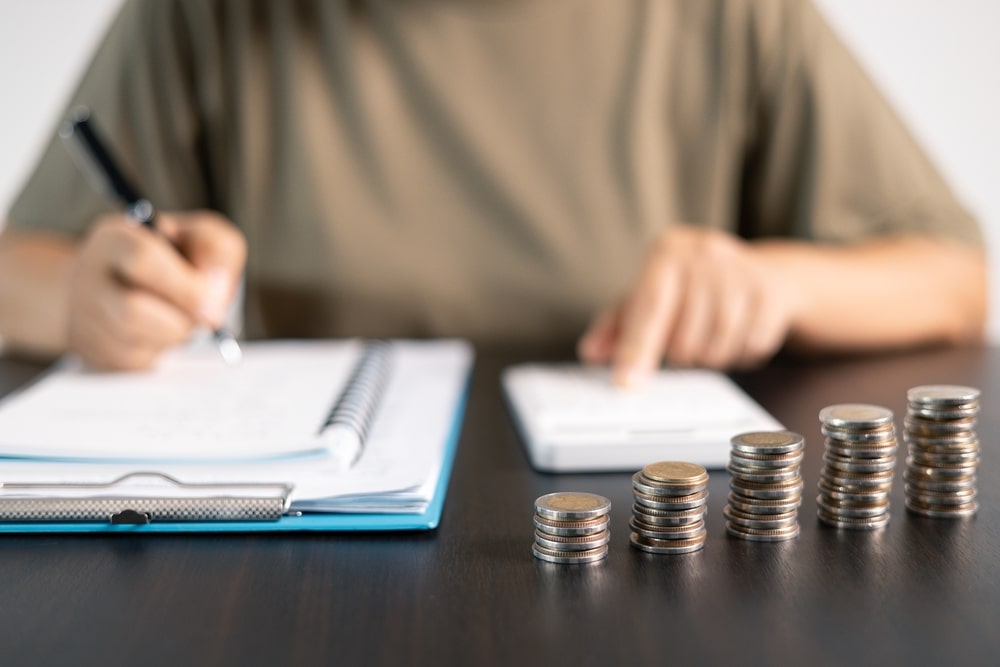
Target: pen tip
{"points": [[229, 349]]}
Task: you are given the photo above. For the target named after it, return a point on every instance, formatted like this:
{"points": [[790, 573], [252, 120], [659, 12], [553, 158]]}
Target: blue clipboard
{"points": [[429, 519]]}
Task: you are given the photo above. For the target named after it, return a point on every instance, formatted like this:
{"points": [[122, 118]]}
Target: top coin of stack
{"points": [[571, 528], [857, 467], [668, 516], [766, 486], [940, 432]]}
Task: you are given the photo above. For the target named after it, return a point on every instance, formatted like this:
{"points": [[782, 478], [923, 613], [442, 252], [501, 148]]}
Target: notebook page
{"points": [[191, 407]]}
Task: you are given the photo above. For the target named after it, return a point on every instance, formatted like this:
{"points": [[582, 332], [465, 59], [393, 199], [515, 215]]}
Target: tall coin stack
{"points": [[765, 489], [571, 528], [940, 432], [858, 465], [668, 516]]}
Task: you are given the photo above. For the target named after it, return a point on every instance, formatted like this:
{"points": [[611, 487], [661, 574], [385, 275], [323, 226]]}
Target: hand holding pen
{"points": [[139, 289]]}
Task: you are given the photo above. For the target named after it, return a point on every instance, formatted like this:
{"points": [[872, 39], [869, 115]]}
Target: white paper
{"points": [[397, 472]]}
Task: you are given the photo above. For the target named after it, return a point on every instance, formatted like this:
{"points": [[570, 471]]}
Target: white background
{"points": [[938, 62]]}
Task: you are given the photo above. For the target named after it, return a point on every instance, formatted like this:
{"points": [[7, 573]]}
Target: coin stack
{"points": [[940, 433], [668, 516], [765, 489], [571, 528], [857, 467]]}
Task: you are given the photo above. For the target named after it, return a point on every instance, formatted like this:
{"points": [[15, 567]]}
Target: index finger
{"points": [[646, 322]]}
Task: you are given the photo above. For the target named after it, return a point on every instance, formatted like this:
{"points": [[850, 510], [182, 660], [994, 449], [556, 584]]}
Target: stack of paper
{"points": [[201, 421]]}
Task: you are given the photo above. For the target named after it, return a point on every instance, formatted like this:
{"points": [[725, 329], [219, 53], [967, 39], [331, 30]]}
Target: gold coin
{"points": [[676, 473], [571, 505], [767, 442]]}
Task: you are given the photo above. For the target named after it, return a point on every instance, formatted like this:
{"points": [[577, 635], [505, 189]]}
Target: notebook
{"points": [[572, 418], [238, 443]]}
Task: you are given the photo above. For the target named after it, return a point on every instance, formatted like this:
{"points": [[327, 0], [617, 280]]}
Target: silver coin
{"points": [[755, 535], [572, 505], [941, 486], [661, 518], [932, 427], [859, 437], [872, 523], [940, 471], [858, 478], [768, 442], [851, 510], [849, 464], [966, 451], [940, 513], [642, 484], [855, 416], [562, 543], [572, 528], [766, 460], [950, 462], [760, 521], [862, 450], [867, 496], [782, 490], [758, 506], [668, 532], [953, 439], [942, 394], [571, 558], [873, 436], [931, 498], [764, 476], [670, 547], [944, 414], [677, 503]]}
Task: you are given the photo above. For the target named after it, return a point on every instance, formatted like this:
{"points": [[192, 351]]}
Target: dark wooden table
{"points": [[920, 592]]}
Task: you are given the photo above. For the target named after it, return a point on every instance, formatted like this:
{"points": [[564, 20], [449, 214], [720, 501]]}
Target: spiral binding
{"points": [[362, 394]]}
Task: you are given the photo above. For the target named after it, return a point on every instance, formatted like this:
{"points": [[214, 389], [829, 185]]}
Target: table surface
{"points": [[922, 591]]}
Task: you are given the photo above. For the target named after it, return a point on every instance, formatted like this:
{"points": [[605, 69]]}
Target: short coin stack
{"points": [[940, 432], [765, 489], [668, 516], [571, 528], [858, 465]]}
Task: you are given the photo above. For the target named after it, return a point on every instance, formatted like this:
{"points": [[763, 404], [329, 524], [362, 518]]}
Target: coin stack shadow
{"points": [[668, 516], [940, 433], [765, 487], [571, 528], [858, 465]]}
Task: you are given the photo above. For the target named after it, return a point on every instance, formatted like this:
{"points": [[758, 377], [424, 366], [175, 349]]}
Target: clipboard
{"points": [[208, 507]]}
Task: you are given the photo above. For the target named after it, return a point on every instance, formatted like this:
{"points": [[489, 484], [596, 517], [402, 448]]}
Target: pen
{"points": [[97, 163]]}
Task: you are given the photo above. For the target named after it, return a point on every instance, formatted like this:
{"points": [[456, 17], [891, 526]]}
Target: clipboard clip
{"points": [[156, 497], [130, 517]]}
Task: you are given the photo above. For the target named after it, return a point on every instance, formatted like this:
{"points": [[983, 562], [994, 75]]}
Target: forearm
{"points": [[889, 292], [34, 285]]}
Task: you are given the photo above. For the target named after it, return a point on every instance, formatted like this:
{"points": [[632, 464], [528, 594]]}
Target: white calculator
{"points": [[572, 418]]}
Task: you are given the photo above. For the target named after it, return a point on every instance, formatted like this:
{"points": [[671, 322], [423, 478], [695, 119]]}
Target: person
{"points": [[696, 183]]}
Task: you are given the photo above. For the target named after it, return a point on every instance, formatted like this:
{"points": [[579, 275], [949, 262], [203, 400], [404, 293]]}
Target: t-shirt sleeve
{"points": [[139, 90], [827, 158]]}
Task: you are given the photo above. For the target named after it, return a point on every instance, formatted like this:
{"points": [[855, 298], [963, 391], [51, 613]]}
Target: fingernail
{"points": [[216, 298]]}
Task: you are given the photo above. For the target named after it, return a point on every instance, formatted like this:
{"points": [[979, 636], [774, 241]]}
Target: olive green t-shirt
{"points": [[494, 169]]}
